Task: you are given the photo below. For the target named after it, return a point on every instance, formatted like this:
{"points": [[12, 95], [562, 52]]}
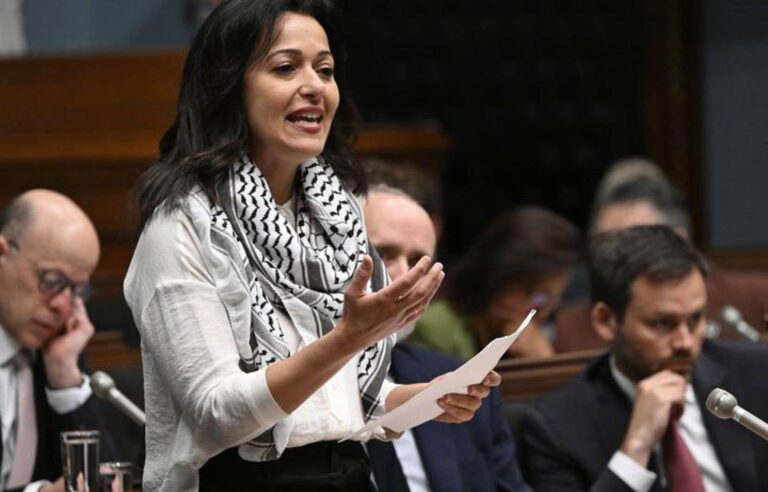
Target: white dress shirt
{"points": [[62, 401], [410, 461], [189, 302], [693, 432]]}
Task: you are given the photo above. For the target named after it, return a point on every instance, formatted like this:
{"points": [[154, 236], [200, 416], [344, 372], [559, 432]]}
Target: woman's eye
{"points": [[284, 68], [326, 72]]}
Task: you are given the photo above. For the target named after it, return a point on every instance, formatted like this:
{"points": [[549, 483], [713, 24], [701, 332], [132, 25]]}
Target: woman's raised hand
{"points": [[371, 316]]}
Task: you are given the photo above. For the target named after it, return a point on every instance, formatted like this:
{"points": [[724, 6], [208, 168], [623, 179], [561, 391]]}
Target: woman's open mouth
{"points": [[307, 121]]}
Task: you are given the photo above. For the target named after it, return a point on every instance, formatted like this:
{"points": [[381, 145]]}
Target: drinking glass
{"points": [[80, 460]]}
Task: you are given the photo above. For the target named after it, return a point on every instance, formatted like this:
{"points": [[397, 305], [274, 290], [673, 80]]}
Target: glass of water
{"points": [[116, 476], [80, 459]]}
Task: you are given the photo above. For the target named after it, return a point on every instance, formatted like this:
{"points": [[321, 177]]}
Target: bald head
{"points": [[400, 229], [55, 224]]}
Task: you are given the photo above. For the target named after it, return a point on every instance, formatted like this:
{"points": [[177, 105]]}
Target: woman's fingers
{"points": [[398, 290], [357, 285], [370, 316], [493, 378], [458, 408], [479, 391], [423, 291], [461, 408]]}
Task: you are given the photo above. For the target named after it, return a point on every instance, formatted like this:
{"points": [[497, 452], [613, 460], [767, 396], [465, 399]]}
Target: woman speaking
{"points": [[266, 323]]}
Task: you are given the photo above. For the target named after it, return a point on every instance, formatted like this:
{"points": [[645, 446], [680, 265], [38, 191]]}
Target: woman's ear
{"points": [[604, 321]]}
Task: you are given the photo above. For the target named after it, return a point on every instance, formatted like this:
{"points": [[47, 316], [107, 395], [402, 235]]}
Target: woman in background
{"points": [[523, 260], [266, 325]]}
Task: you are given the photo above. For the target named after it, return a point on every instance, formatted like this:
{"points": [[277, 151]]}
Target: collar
{"points": [[288, 210], [8, 347], [626, 385]]}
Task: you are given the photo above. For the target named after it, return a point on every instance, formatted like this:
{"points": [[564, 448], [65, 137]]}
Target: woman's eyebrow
{"points": [[296, 52]]}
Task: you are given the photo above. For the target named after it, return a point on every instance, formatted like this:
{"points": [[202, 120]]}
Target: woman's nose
{"points": [[311, 85]]}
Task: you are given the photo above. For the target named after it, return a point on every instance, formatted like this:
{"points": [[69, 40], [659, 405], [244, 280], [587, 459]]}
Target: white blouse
{"points": [[198, 401]]}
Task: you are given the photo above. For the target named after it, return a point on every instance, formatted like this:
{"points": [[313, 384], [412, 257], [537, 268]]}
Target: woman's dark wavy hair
{"points": [[210, 131], [519, 249]]}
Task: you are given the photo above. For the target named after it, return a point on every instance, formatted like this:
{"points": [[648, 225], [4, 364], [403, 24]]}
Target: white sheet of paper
{"points": [[423, 406]]}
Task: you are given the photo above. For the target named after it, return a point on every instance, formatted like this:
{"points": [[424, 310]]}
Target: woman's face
{"points": [[291, 95]]}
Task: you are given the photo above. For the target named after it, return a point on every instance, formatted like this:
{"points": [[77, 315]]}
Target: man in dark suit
{"points": [[635, 418], [476, 456], [48, 249]]}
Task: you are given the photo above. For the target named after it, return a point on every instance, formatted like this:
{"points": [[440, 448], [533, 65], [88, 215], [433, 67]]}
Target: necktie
{"points": [[386, 467], [683, 473], [26, 424]]}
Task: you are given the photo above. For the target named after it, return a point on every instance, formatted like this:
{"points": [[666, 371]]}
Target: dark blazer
{"points": [[569, 437], [475, 456], [50, 425]]}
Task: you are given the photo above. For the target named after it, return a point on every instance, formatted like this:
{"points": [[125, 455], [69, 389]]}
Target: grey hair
{"points": [[637, 179]]}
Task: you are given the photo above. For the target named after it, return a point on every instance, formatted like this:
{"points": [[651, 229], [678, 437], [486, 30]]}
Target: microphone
{"points": [[724, 405], [104, 387], [733, 319]]}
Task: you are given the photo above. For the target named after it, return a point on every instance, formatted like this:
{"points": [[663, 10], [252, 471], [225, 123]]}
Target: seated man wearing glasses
{"points": [[48, 249]]}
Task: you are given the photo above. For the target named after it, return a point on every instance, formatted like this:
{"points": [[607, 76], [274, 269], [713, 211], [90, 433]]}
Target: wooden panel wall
{"points": [[86, 126]]}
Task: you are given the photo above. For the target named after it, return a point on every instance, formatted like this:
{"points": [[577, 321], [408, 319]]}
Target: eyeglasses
{"points": [[53, 282], [541, 301]]}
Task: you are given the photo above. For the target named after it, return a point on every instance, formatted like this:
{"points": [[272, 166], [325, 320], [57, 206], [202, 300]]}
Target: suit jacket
{"points": [[569, 437], [51, 424], [475, 456]]}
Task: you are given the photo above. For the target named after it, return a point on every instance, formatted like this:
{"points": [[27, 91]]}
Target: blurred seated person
{"points": [[636, 192], [634, 419], [476, 455], [48, 250], [523, 260]]}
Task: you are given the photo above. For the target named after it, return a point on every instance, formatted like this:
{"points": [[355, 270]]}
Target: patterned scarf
{"points": [[301, 269]]}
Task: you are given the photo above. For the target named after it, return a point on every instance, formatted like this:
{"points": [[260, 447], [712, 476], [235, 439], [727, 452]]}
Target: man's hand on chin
{"points": [[61, 353], [656, 396]]}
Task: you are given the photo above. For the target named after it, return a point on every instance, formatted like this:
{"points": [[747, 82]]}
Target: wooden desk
{"points": [[526, 379]]}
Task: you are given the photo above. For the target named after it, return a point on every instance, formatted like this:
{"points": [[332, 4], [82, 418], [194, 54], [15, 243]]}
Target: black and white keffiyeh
{"points": [[301, 269]]}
